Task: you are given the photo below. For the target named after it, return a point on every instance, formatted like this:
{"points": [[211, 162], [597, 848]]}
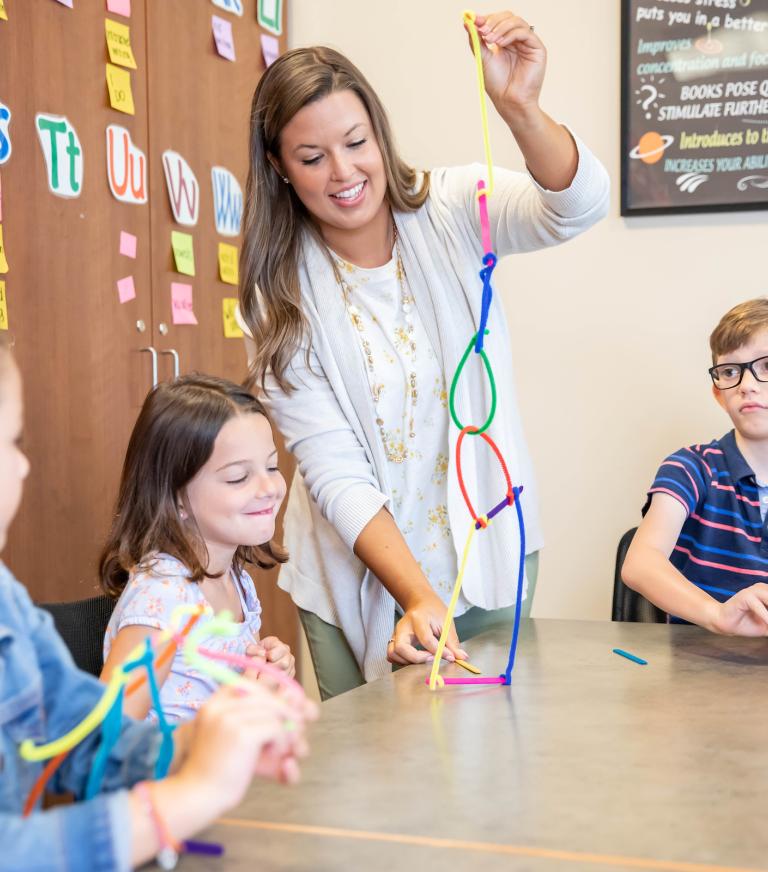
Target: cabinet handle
{"points": [[175, 355], [153, 351]]}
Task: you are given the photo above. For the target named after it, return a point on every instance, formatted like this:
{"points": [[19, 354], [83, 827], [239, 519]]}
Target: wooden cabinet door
{"points": [[199, 110], [76, 344]]}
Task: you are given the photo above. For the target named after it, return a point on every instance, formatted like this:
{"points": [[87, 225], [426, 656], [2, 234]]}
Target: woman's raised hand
{"points": [[514, 61]]}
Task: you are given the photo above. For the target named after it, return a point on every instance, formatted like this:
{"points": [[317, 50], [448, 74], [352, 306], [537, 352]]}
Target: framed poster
{"points": [[694, 106]]}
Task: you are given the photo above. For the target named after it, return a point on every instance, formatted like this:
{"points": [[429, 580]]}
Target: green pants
{"points": [[335, 666]]}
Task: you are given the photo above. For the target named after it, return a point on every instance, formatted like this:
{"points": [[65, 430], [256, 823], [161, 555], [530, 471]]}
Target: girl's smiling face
{"points": [[236, 495], [14, 465]]}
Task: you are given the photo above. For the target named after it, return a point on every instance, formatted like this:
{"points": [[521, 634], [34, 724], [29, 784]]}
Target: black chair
{"points": [[82, 625], [628, 604]]}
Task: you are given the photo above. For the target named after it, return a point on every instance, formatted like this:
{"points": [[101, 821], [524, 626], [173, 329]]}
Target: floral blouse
{"points": [[409, 395], [149, 599]]}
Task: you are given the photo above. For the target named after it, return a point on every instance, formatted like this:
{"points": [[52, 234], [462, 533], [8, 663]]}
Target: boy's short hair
{"points": [[738, 326]]}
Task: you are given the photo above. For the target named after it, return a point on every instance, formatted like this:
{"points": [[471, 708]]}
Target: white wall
{"points": [[610, 331]]}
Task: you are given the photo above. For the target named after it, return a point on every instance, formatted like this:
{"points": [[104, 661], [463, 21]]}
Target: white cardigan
{"points": [[328, 422]]}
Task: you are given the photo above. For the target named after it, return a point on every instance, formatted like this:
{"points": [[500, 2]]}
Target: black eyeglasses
{"points": [[729, 375]]}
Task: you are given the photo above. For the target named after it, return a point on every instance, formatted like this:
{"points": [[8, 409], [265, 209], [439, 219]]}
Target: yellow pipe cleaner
{"points": [[35, 753], [434, 677], [469, 20]]}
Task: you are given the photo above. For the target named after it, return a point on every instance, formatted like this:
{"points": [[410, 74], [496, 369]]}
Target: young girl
{"points": [[43, 695], [359, 287], [198, 499]]}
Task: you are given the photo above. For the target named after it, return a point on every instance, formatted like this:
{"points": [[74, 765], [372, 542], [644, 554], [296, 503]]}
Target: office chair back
{"points": [[628, 604], [82, 625]]}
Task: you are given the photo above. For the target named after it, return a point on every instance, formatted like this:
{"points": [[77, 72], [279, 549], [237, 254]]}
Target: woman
{"points": [[360, 291]]}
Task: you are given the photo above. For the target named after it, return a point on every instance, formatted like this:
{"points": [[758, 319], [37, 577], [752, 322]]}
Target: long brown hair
{"points": [[171, 441], [275, 220]]}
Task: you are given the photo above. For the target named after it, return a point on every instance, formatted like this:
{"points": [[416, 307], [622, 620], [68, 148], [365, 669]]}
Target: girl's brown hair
{"points": [[171, 441], [275, 220]]}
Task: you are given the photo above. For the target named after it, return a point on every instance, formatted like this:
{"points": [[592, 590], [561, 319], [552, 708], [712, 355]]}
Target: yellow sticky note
{"points": [[231, 327], [3, 308], [3, 260], [120, 94], [119, 44], [183, 252], [3, 13], [228, 263]]}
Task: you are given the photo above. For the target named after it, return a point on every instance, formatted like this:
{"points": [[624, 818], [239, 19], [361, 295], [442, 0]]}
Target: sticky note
{"points": [[3, 260], [183, 252], [222, 34], [3, 13], [270, 49], [181, 304], [119, 43], [228, 263], [126, 290], [269, 14], [120, 94], [231, 327], [66, 3], [3, 308], [119, 7], [127, 244], [1, 193]]}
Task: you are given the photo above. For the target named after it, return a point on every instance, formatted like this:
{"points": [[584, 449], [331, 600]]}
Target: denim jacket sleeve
{"points": [[43, 696]]}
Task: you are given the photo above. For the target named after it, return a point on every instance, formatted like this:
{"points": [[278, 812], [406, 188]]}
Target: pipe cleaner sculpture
{"points": [[108, 712], [476, 346]]}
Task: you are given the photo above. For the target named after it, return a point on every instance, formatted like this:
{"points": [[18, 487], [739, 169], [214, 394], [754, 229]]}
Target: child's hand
{"points": [[745, 613], [240, 733], [274, 652]]}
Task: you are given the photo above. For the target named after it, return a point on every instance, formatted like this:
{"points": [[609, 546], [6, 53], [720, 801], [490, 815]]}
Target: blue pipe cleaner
{"points": [[520, 576], [489, 260]]}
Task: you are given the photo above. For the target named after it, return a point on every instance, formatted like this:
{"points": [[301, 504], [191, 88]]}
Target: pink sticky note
{"points": [[126, 290], [119, 7], [67, 3], [181, 303], [222, 33], [270, 49], [127, 244]]}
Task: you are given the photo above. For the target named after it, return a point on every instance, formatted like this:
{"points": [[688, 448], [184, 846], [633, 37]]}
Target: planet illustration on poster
{"points": [[651, 146]]}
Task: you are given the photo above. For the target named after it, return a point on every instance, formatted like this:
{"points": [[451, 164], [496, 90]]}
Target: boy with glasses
{"points": [[701, 551]]}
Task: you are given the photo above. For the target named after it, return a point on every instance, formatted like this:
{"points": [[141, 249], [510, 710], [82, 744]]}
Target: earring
{"points": [[182, 514], [286, 180]]}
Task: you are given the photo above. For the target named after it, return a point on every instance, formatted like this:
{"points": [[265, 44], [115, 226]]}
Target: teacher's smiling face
{"points": [[329, 153]]}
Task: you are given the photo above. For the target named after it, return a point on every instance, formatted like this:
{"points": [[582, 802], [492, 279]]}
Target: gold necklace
{"points": [[396, 451]]}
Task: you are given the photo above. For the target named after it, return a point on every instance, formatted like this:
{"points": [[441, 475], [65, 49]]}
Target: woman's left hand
{"points": [[514, 61]]}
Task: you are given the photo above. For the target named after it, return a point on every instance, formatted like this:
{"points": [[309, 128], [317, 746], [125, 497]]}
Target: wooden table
{"points": [[588, 761]]}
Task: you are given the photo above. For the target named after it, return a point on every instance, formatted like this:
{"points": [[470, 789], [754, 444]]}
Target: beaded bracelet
{"points": [[168, 855]]}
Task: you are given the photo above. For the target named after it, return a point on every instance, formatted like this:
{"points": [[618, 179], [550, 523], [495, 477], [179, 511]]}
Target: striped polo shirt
{"points": [[723, 545]]}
